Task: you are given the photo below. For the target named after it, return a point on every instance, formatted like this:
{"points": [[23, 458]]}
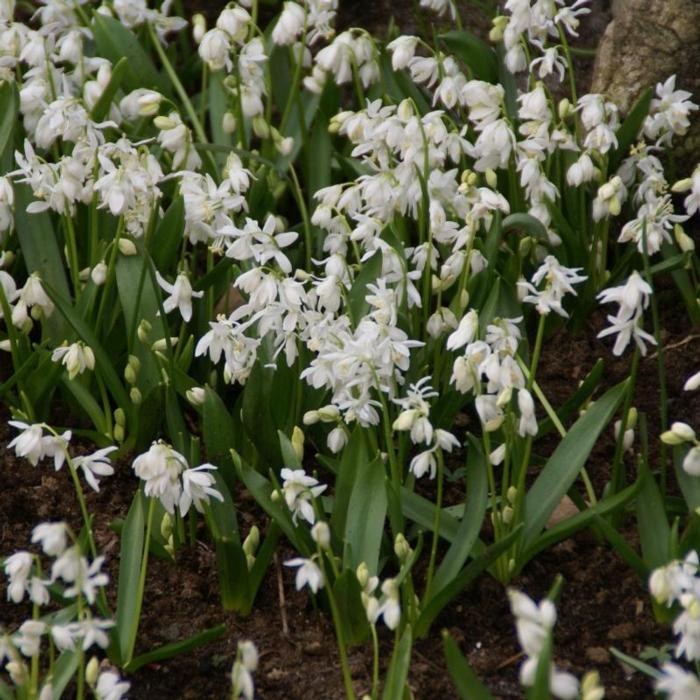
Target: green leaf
{"points": [[114, 41], [654, 530], [568, 527], [289, 455], [164, 244], [218, 106], [176, 648], [467, 683], [628, 132], [474, 511], [357, 303], [527, 223], [101, 108], [397, 675], [564, 465], [5, 691], [422, 512], [41, 252], [103, 363], [234, 578], [348, 596], [540, 689], [87, 402], [219, 434], [689, 485], [475, 53], [8, 121], [364, 525], [636, 664], [63, 670], [356, 452], [133, 535]]}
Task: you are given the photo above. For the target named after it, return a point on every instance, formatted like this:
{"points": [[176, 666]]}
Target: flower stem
{"points": [[375, 662], [436, 524]]}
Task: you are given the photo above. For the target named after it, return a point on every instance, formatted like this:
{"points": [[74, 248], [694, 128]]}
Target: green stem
{"points": [[618, 476], [111, 266], [299, 196], [375, 662], [436, 525], [72, 251]]}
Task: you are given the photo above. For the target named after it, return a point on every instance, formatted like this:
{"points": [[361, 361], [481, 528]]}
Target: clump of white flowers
{"points": [[534, 624], [246, 663], [70, 575], [168, 477]]}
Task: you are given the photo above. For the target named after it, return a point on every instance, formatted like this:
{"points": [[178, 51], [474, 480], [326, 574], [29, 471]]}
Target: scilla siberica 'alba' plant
{"points": [[368, 262]]}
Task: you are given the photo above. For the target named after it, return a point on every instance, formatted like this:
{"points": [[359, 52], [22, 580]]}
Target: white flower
{"points": [[299, 490], [29, 442], [289, 25], [403, 48], [29, 637], [308, 574], [692, 383], [110, 686], [466, 331], [181, 295], [677, 683], [76, 358], [88, 579], [526, 405], [691, 462], [160, 468], [52, 537], [558, 282], [215, 49], [94, 465], [244, 666], [197, 487], [423, 463], [17, 567]]}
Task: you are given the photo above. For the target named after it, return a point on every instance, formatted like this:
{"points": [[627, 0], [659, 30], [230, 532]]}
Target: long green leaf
{"points": [[364, 525], [654, 530], [8, 121], [467, 683], [564, 465], [176, 648], [689, 485], [63, 670], [480, 58], [474, 511], [356, 452], [114, 41], [397, 674], [219, 434], [133, 535], [628, 132]]}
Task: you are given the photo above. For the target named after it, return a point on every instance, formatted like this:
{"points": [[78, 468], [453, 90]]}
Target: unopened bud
{"points": [[682, 185], [228, 123], [310, 418], [401, 548], [127, 247], [498, 26], [118, 433], [129, 374], [298, 442], [275, 496], [252, 541], [99, 274], [164, 123], [196, 395], [166, 525], [92, 670], [260, 127], [362, 574], [135, 395], [684, 241], [144, 330], [199, 27], [507, 515], [321, 534], [512, 494], [119, 416], [564, 109], [149, 103], [491, 178]]}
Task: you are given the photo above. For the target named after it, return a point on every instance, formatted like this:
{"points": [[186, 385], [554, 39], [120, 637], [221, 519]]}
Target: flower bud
{"points": [[692, 383], [127, 247], [298, 442], [498, 26], [329, 413], [507, 515], [99, 274], [135, 395], [144, 331], [682, 185], [681, 433], [195, 395], [684, 241], [118, 433], [252, 541], [166, 525], [119, 416], [491, 178], [275, 496], [260, 127], [311, 418], [228, 123], [164, 123], [129, 374], [362, 574], [18, 672], [149, 103], [92, 670], [564, 109], [401, 548], [199, 27], [512, 494], [321, 534]]}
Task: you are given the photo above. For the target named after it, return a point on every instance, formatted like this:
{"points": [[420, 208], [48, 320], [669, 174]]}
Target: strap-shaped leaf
{"points": [[467, 683], [397, 674], [564, 465], [475, 53]]}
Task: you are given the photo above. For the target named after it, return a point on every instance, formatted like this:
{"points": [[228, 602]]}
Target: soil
{"points": [[603, 603]]}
